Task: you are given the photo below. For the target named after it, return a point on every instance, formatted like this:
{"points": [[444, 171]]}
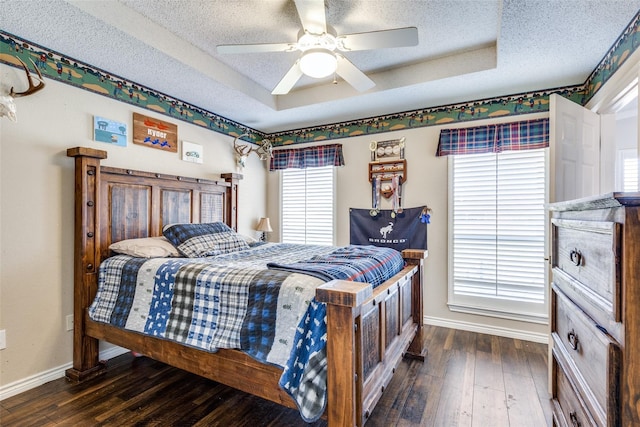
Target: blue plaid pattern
{"points": [[181, 315], [234, 294], [527, 135], [368, 264], [108, 288], [200, 240], [524, 135], [205, 309], [227, 242], [234, 301], [258, 329], [308, 157], [127, 291], [305, 374]]}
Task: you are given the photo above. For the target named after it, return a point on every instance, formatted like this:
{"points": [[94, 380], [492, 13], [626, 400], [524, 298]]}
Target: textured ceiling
{"points": [[468, 50]]}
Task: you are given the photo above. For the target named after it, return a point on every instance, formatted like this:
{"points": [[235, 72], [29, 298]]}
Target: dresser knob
{"points": [[576, 257], [573, 340]]}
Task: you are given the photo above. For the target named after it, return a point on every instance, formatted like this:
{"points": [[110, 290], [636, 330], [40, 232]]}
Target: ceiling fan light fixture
{"points": [[316, 41], [318, 63]]}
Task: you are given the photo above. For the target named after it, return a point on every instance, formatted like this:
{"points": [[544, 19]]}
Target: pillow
{"points": [[250, 240], [200, 240], [146, 247]]}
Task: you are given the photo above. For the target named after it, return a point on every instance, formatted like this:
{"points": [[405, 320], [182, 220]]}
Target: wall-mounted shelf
{"points": [[387, 169]]}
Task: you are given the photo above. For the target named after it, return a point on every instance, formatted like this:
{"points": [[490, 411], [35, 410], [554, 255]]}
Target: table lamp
{"points": [[265, 227]]}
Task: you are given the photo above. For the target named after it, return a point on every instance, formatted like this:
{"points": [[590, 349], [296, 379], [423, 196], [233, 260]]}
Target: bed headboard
{"points": [[114, 204]]}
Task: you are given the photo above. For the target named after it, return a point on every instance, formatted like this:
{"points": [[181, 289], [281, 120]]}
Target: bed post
{"points": [[344, 371], [232, 201], [86, 259], [416, 257]]}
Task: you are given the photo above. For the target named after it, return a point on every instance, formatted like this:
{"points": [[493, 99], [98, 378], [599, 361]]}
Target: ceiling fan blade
{"points": [[312, 15], [398, 37], [255, 48], [352, 75], [288, 81]]}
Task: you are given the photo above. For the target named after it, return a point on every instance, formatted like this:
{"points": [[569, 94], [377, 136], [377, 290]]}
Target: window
{"points": [[307, 205], [497, 234], [627, 170]]}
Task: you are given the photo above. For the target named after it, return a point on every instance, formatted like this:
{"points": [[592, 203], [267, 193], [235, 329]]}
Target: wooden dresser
{"points": [[595, 311]]}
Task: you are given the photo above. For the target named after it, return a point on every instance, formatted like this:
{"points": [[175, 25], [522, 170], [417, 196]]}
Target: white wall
{"points": [[427, 184], [36, 209]]}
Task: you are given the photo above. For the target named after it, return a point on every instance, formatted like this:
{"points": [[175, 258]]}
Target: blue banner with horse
{"points": [[399, 229]]}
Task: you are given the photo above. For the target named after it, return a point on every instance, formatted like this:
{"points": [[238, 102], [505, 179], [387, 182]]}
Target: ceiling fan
{"points": [[321, 48]]}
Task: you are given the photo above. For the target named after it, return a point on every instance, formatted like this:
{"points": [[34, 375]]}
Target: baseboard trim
{"points": [[486, 329], [36, 380]]}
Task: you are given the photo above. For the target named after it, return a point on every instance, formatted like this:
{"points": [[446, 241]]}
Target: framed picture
{"points": [[109, 131], [387, 150], [155, 133], [192, 152]]}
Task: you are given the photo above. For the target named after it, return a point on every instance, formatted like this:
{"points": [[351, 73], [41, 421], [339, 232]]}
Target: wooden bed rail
{"points": [[368, 332]]}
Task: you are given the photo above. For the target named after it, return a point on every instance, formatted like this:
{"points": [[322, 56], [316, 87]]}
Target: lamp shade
{"points": [[264, 225]]}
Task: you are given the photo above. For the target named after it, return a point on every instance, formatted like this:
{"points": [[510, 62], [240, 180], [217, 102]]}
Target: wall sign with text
{"points": [[155, 133]]}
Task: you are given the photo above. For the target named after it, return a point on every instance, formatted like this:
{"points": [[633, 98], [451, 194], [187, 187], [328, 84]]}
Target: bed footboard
{"points": [[368, 332]]}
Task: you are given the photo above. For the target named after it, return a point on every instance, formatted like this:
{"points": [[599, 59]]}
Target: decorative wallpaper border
{"points": [[512, 105], [67, 70], [622, 49], [76, 73]]}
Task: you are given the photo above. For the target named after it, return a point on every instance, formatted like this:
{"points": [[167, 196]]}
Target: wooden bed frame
{"points": [[369, 331]]}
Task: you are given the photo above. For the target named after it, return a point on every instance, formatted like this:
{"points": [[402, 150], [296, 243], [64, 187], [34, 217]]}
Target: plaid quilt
{"points": [[243, 300], [369, 264]]}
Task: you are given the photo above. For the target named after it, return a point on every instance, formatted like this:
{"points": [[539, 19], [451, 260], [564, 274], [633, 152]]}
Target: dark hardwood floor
{"points": [[468, 379]]}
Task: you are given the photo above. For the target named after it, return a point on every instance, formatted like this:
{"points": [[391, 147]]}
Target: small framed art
{"points": [[109, 131], [392, 149], [192, 152]]}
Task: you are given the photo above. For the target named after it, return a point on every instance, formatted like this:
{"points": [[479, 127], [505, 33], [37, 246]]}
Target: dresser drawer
{"points": [[568, 408], [586, 260], [592, 356]]}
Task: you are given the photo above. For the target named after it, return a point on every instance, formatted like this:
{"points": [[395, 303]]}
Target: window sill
{"points": [[483, 311]]}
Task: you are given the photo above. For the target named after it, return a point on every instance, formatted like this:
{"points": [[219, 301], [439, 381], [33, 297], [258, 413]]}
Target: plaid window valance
{"points": [[308, 157], [525, 135]]}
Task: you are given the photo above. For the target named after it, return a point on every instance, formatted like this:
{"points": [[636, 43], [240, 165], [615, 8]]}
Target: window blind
{"points": [[498, 229], [630, 174], [307, 205]]}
